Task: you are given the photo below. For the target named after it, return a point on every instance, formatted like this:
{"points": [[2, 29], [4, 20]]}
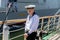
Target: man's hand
{"points": [[25, 35]]}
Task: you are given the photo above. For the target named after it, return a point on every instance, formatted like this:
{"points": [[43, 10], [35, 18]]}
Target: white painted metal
{"points": [[5, 32]]}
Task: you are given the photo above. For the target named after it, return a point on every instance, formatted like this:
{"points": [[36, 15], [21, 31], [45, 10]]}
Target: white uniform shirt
{"points": [[32, 23]]}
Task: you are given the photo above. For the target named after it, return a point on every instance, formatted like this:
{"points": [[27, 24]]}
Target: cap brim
{"points": [[30, 6]]}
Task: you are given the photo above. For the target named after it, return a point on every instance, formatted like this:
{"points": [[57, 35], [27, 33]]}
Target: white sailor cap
{"points": [[30, 6]]}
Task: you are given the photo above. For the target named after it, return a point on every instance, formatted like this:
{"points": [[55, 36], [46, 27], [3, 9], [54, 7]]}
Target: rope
{"points": [[16, 36], [15, 30]]}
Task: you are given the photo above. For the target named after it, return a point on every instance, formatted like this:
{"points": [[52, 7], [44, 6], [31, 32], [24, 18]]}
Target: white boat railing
{"points": [[55, 23], [49, 24]]}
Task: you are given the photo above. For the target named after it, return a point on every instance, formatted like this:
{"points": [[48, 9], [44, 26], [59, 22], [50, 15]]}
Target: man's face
{"points": [[30, 11]]}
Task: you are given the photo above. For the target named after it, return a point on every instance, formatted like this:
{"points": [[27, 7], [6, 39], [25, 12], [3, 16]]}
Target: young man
{"points": [[32, 23]]}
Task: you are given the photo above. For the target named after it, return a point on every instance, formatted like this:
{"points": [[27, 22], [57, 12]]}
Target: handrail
{"points": [[14, 21], [49, 16], [23, 20]]}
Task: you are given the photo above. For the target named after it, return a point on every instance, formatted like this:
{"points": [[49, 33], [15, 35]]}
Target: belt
{"points": [[32, 31]]}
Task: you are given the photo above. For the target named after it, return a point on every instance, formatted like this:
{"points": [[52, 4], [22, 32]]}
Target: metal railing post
{"points": [[58, 23], [42, 24], [54, 27], [48, 23]]}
